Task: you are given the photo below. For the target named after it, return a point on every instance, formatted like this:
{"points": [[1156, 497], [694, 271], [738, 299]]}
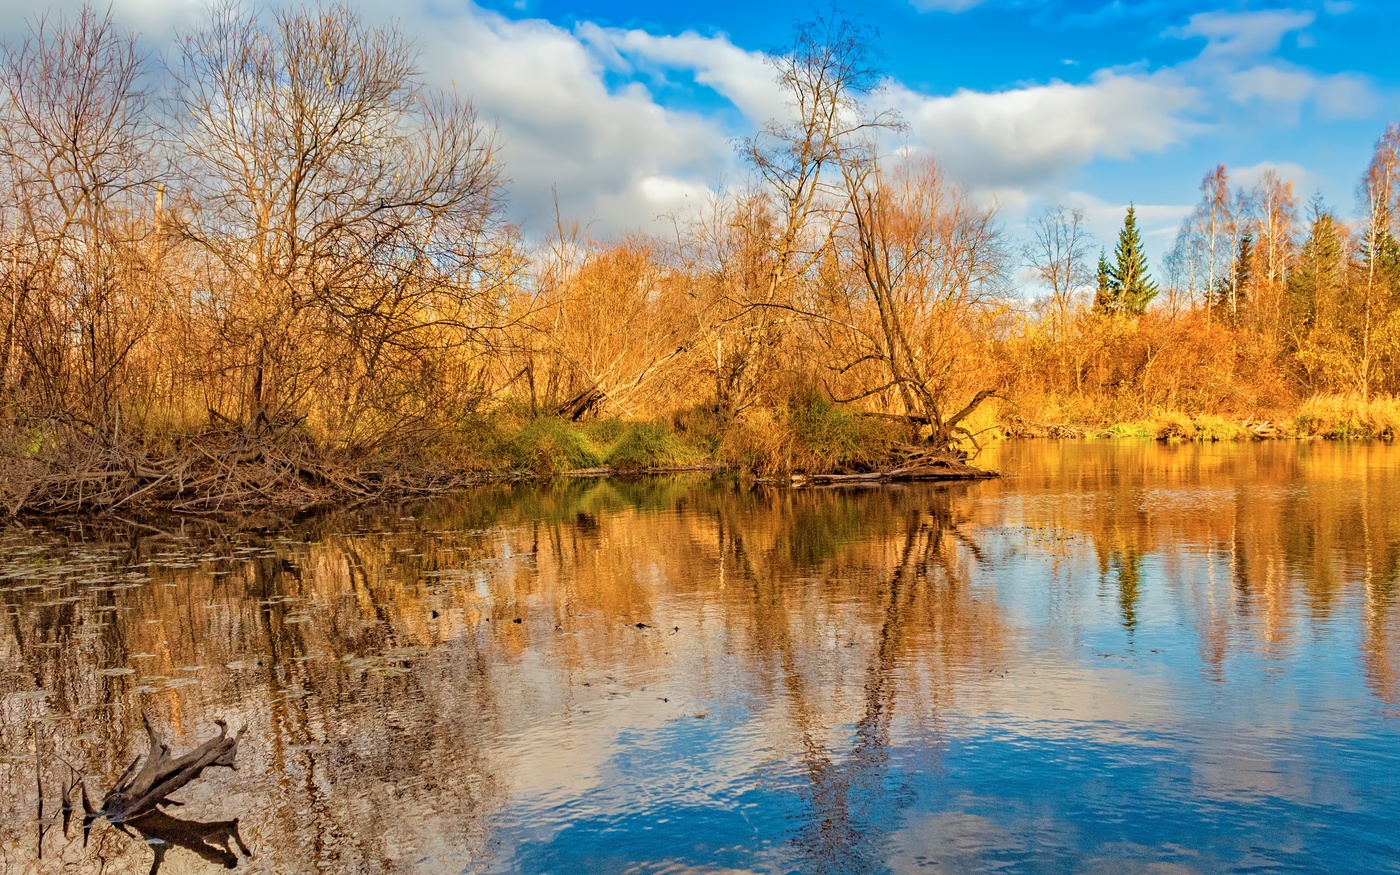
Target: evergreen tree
{"points": [[1316, 283], [1239, 280], [1104, 300], [1129, 285], [1244, 266]]}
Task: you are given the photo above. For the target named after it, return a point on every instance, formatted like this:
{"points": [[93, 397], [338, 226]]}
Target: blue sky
{"points": [[629, 109]]}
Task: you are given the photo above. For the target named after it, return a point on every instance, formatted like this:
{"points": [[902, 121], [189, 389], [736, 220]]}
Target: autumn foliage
{"points": [[277, 256]]}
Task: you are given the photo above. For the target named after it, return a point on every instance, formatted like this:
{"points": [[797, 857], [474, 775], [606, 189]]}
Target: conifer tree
{"points": [[1239, 281], [1319, 276], [1244, 264], [1104, 299], [1129, 285]]}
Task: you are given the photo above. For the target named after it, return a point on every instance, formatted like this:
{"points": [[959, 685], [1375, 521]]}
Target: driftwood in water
{"points": [[139, 791], [1262, 430], [943, 468]]}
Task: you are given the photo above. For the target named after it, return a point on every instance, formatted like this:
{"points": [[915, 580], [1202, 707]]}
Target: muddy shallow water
{"points": [[1120, 657]]}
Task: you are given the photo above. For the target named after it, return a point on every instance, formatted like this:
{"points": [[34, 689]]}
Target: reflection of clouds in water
{"points": [[935, 671], [955, 841]]}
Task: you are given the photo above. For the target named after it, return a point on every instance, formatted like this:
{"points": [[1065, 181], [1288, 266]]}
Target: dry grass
{"points": [[1349, 416]]}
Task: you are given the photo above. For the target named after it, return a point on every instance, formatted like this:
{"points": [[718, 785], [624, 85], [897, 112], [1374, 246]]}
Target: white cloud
{"points": [[1158, 222], [1336, 96], [1034, 133], [1235, 35], [1248, 177], [1238, 57], [615, 156], [578, 111], [156, 20], [1345, 95], [1275, 84], [742, 77]]}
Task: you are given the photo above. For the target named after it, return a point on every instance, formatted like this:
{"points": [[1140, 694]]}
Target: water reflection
{"points": [[1119, 656], [216, 842]]}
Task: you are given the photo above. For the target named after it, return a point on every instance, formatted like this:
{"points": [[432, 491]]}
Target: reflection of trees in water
{"points": [[377, 660], [1252, 539], [1126, 566], [270, 635], [373, 682], [918, 604]]}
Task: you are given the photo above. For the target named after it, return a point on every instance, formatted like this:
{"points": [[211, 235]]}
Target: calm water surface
{"points": [[1119, 658]]}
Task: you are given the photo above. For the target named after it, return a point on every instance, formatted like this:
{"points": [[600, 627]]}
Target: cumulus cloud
{"points": [[155, 20], [582, 110], [1029, 134], [742, 77], [1239, 56], [1248, 177], [613, 154]]}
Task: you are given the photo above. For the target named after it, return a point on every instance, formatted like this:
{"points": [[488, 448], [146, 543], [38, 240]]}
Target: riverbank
{"points": [[1327, 417], [62, 468]]}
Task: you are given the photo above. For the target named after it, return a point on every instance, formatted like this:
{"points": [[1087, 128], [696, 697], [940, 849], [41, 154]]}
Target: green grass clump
{"points": [[644, 445], [825, 437], [1176, 426], [552, 446], [1139, 430], [1218, 428], [808, 434], [605, 432], [480, 444]]}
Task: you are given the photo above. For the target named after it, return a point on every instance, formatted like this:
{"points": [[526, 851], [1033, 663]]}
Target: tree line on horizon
{"points": [[281, 231], [1305, 300]]}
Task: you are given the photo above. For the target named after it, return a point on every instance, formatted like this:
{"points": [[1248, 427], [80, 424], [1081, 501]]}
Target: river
{"points": [[1119, 657]]}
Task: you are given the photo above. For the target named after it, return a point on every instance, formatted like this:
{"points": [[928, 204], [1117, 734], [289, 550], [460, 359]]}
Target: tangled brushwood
{"points": [[216, 472]]}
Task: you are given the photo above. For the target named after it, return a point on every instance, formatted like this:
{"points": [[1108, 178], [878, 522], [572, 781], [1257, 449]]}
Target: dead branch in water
{"points": [[139, 791], [921, 467]]}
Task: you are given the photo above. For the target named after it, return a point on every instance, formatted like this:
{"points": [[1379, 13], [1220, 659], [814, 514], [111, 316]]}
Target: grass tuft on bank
{"points": [[1349, 417]]}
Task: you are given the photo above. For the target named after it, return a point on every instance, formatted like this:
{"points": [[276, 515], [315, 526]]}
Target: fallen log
{"points": [[1262, 430], [940, 469]]}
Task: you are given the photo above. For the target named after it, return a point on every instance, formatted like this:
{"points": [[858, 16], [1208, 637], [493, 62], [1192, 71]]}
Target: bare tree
{"points": [[1059, 253], [348, 207], [930, 261], [75, 144], [1379, 193], [828, 73], [1275, 233], [1216, 223]]}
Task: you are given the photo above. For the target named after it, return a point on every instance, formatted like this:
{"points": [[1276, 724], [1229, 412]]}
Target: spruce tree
{"points": [[1129, 284], [1317, 280], [1244, 269], [1104, 299]]}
